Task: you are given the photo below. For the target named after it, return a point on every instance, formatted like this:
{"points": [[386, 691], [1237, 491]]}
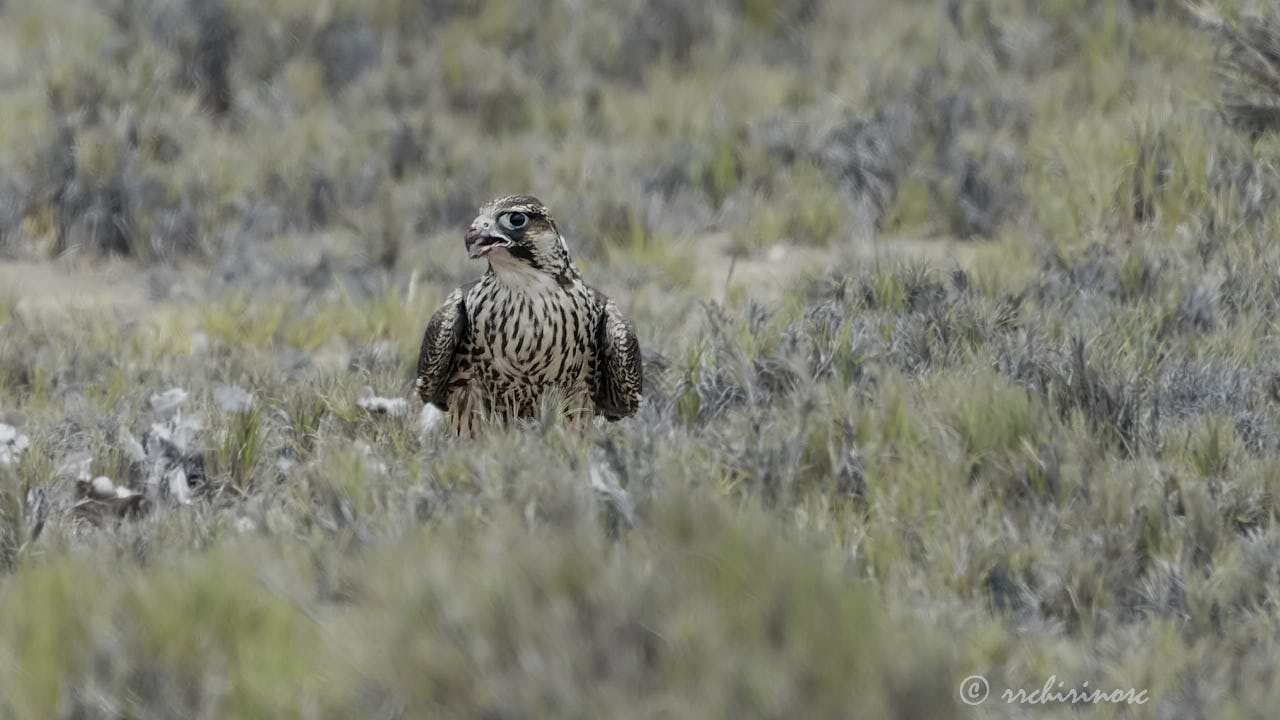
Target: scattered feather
{"points": [[394, 407], [429, 419], [99, 498], [132, 448], [233, 399], [12, 444], [169, 401], [172, 453], [605, 482]]}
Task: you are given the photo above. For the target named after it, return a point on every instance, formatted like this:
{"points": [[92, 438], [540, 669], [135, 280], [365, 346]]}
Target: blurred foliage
{"points": [[1043, 445]]}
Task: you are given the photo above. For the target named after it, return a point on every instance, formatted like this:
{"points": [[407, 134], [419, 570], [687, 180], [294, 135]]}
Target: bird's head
{"points": [[516, 232]]}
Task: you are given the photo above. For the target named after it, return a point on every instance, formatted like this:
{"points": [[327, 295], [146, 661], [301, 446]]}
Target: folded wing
{"points": [[618, 377], [440, 343]]}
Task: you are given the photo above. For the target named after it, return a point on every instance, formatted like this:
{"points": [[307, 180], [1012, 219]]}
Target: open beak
{"points": [[483, 237]]}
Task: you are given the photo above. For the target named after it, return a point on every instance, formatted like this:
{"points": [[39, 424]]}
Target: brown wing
{"points": [[618, 378], [437, 360]]}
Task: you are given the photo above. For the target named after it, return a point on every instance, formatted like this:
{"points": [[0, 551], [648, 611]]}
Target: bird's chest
{"points": [[535, 336]]}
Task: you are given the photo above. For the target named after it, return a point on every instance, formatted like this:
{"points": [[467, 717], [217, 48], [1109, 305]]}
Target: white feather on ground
{"points": [[12, 444], [394, 407]]}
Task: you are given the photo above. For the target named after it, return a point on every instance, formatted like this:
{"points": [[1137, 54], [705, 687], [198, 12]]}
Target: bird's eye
{"points": [[515, 220]]}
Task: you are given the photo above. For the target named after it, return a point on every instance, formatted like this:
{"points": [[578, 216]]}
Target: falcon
{"points": [[527, 327]]}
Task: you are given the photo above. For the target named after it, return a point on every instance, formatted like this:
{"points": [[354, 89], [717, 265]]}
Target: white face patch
{"points": [[519, 276]]}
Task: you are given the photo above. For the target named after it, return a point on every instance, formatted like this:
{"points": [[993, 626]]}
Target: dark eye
{"points": [[515, 220]]}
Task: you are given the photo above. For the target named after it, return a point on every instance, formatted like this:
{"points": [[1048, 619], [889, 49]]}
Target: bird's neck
{"points": [[518, 276]]}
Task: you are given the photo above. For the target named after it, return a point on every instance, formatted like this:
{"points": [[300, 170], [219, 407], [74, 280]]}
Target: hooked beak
{"points": [[483, 237]]}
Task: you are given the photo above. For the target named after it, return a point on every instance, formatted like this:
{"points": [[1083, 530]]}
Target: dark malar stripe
{"points": [[520, 252]]}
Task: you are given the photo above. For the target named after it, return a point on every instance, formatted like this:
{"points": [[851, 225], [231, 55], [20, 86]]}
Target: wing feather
{"points": [[618, 378], [437, 359]]}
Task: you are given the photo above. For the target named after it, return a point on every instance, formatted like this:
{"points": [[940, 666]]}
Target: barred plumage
{"points": [[529, 325]]}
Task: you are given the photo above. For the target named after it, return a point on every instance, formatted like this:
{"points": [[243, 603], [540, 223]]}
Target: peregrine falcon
{"points": [[528, 325]]}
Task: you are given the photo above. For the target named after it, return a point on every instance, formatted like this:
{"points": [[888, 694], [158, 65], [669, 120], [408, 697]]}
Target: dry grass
{"points": [[1042, 443]]}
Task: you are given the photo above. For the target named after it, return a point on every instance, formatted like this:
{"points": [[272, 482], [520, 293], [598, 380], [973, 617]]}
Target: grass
{"points": [[1021, 422]]}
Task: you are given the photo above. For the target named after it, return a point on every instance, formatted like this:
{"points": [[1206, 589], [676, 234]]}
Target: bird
{"points": [[527, 327]]}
